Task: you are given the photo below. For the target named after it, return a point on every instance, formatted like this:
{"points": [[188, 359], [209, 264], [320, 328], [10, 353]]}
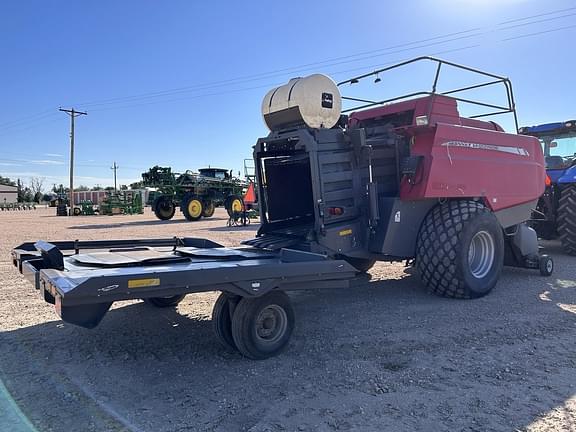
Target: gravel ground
{"points": [[386, 356]]}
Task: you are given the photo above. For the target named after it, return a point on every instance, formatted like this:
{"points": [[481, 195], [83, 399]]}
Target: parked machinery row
{"points": [[197, 194]]}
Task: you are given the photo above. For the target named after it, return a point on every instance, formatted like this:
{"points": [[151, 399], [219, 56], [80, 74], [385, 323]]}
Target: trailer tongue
{"points": [[406, 178]]}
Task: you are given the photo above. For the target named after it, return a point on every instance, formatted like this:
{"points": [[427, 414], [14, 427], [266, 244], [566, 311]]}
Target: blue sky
{"points": [[180, 83]]}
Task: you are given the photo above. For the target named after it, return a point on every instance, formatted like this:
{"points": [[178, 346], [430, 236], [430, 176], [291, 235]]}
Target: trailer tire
{"points": [[164, 207], [567, 219], [77, 211], [208, 208], [460, 250], [222, 321], [192, 208], [163, 302], [262, 326]]}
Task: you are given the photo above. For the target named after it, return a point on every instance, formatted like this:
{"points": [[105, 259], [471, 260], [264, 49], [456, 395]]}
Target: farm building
{"points": [[8, 194]]}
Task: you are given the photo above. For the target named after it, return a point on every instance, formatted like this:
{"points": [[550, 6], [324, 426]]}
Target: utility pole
{"points": [[114, 167], [73, 114]]}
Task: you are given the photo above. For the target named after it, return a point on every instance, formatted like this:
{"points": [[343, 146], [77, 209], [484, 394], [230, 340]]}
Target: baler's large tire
{"points": [[192, 208], [164, 207], [222, 321], [163, 302], [567, 219], [262, 326], [460, 250]]}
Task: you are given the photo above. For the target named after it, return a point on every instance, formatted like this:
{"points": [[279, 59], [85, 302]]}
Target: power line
{"points": [[432, 41], [332, 74], [149, 98], [539, 15], [27, 118], [364, 55], [25, 123]]}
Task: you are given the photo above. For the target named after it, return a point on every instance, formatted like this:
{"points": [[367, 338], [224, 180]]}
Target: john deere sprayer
{"points": [[197, 194]]}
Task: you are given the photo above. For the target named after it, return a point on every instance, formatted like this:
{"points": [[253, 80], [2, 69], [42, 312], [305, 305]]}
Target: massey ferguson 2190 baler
{"points": [[406, 178]]}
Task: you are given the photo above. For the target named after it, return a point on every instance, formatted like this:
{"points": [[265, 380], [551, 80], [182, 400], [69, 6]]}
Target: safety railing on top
{"points": [[495, 81]]}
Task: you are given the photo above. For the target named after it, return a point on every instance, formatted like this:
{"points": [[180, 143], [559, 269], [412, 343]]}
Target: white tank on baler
{"points": [[313, 100]]}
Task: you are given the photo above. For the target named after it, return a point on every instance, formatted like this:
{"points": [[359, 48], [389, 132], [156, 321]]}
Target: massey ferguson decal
{"points": [[513, 150]]}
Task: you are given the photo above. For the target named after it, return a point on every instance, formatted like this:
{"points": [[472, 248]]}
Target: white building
{"points": [[8, 194]]}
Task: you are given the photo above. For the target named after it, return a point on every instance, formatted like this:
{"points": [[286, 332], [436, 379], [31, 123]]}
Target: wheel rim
{"points": [[195, 208], [549, 266], [209, 208], [481, 254], [236, 205], [165, 208], [271, 324]]}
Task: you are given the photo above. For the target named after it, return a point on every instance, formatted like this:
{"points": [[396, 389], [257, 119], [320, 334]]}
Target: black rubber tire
{"points": [[208, 209], [363, 265], [163, 302], [443, 245], [164, 207], [229, 203], [567, 219], [246, 325], [185, 207], [546, 265], [77, 211], [222, 322]]}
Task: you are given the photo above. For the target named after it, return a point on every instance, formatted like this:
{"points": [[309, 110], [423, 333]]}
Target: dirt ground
{"points": [[387, 356]]}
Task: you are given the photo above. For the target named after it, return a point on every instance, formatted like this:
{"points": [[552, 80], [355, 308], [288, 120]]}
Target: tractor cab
{"points": [[217, 173], [559, 145]]}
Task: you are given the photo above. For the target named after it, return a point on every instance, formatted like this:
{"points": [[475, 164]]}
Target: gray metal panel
{"points": [[81, 286], [223, 253], [345, 238], [117, 258], [515, 215], [399, 225]]}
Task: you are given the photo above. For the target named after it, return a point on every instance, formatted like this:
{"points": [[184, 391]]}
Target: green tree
{"points": [[60, 189], [136, 185], [28, 195]]}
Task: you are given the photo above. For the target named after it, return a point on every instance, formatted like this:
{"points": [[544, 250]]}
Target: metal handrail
{"points": [[496, 80]]}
